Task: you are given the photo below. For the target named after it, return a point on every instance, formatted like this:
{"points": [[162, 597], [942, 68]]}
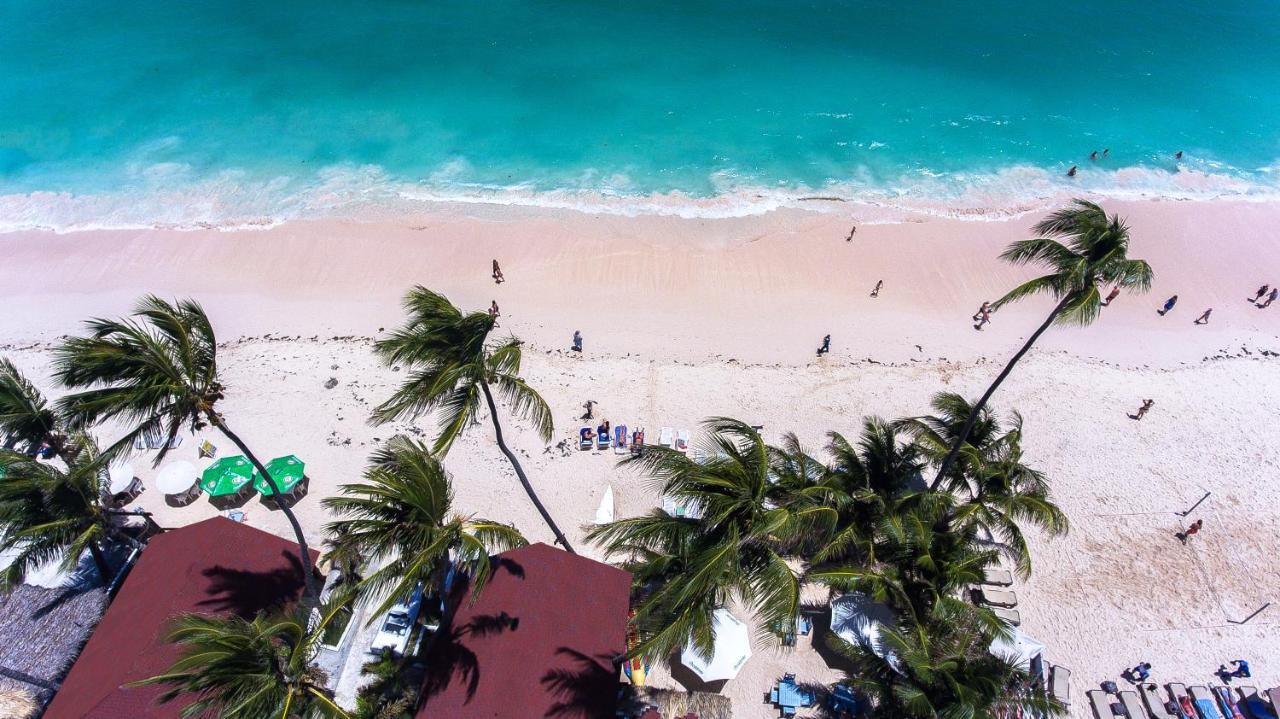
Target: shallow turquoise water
{"points": [[255, 107]]}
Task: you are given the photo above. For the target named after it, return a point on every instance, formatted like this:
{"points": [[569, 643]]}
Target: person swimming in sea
{"points": [[1093, 155], [1072, 171]]}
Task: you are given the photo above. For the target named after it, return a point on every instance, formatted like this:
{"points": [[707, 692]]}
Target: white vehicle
{"points": [[397, 625]]}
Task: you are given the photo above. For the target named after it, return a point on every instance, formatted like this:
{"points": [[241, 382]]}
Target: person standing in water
{"points": [[1178, 155], [1093, 155], [1072, 171]]}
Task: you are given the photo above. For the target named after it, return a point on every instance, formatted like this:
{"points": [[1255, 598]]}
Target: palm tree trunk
{"points": [[515, 463], [104, 569], [308, 571], [977, 408]]}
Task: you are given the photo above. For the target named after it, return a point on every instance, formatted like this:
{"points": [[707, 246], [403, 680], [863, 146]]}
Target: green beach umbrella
{"points": [[287, 471], [226, 476]]}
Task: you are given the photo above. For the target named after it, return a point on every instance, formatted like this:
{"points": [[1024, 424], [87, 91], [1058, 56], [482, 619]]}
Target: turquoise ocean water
{"points": [[155, 111]]}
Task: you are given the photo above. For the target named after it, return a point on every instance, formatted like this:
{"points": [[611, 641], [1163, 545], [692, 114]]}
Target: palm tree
{"points": [[250, 669], [159, 372], [24, 414], [1084, 250], [942, 668], [47, 512], [998, 490], [451, 368], [684, 569], [403, 512]]}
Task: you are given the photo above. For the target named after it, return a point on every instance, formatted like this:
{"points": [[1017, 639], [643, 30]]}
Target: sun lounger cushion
{"points": [[997, 597], [1101, 703], [1060, 684], [1205, 703], [1132, 705], [1001, 577], [1155, 703]]}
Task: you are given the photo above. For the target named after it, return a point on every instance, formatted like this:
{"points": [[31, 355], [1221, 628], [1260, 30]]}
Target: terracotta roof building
{"points": [[215, 567], [541, 641]]}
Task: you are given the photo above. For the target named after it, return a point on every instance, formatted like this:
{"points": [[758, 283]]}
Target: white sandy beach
{"points": [[685, 319]]}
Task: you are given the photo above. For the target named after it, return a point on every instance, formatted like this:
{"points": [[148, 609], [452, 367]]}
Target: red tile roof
{"points": [[539, 642], [216, 567]]}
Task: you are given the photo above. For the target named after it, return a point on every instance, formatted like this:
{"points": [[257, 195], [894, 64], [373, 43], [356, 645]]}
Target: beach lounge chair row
{"points": [[1196, 702]]}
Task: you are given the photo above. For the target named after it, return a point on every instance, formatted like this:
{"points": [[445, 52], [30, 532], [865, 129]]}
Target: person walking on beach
{"points": [[577, 341], [826, 346], [1270, 298], [1261, 291], [1193, 530], [493, 310], [984, 309], [1204, 318], [876, 292], [1168, 305], [984, 317], [1140, 673], [851, 231], [497, 274], [1111, 296], [1147, 404]]}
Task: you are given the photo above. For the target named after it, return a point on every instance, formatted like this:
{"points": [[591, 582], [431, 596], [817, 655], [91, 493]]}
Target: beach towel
{"points": [[1230, 708], [1256, 705], [682, 440], [1204, 703]]}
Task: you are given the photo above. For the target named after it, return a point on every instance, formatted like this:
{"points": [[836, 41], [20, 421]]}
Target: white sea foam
{"points": [[168, 195]]}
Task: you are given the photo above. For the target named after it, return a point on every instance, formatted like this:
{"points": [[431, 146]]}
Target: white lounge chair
{"points": [[997, 597], [1132, 705], [667, 437], [1155, 703], [1101, 703], [682, 440], [1000, 577], [1060, 684], [1010, 616]]}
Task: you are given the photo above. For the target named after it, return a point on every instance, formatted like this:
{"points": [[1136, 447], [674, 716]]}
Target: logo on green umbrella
{"points": [[226, 476], [287, 472]]}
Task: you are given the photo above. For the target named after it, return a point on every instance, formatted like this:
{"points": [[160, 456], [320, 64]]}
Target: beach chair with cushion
{"points": [[682, 440], [620, 439], [1011, 616], [1132, 705], [997, 576], [666, 437], [1181, 699], [1205, 703], [1255, 705], [1156, 706], [603, 441], [586, 438], [996, 597], [1101, 703], [1060, 684], [1228, 703]]}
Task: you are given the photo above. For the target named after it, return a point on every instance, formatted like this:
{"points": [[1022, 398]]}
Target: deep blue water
{"points": [[225, 109]]}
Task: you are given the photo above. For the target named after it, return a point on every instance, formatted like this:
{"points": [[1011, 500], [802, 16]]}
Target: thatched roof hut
{"points": [[671, 704], [42, 631]]}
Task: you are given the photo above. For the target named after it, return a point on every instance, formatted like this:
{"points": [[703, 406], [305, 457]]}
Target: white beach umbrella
{"points": [[176, 477], [120, 477], [604, 513], [1019, 649], [856, 618], [732, 650]]}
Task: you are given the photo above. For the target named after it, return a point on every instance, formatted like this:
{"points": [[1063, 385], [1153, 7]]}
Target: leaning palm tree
{"points": [[942, 668], [998, 491], [49, 512], [1085, 250], [157, 371], [250, 669], [686, 568], [401, 517], [25, 416], [452, 367]]}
